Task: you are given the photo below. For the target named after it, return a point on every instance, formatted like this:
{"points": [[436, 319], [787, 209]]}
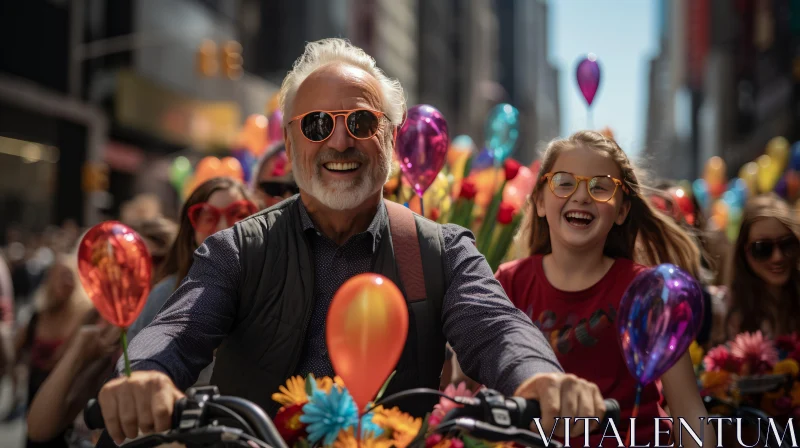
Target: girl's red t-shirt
{"points": [[581, 328]]}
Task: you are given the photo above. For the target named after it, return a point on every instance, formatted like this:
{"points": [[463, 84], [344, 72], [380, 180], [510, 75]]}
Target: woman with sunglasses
{"points": [[765, 282], [215, 205]]}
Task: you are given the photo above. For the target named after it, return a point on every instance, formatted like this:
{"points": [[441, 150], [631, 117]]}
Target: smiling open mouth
{"points": [[342, 167], [579, 219]]}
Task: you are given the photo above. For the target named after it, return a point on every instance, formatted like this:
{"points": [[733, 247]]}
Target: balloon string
{"points": [[589, 120], [358, 433], [421, 207], [124, 337], [635, 412]]}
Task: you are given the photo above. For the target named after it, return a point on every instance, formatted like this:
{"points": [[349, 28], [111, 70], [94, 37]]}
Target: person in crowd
{"points": [[159, 235], [259, 292], [764, 278], [272, 178], [215, 205], [60, 308], [588, 226], [6, 319]]}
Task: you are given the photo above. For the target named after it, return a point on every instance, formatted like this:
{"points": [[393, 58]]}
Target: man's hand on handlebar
{"points": [[563, 395], [144, 401]]}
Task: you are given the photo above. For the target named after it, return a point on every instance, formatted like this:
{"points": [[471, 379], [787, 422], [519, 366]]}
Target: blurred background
{"points": [[99, 97]]}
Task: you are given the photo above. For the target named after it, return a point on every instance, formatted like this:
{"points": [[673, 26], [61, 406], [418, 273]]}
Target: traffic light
{"points": [[232, 59], [207, 59], [95, 177]]}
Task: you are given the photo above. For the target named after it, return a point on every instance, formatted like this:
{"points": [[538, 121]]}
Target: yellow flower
{"points": [[293, 393], [786, 367], [347, 439], [716, 380], [326, 383], [402, 427], [696, 352], [445, 443]]}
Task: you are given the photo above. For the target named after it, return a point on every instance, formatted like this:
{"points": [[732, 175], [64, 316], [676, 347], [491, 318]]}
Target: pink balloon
{"points": [[275, 127], [518, 189], [421, 146], [588, 76]]}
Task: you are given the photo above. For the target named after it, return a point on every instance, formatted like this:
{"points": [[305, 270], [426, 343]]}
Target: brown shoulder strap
{"points": [[406, 250]]}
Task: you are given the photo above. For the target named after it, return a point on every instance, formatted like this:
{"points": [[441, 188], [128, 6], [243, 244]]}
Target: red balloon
{"points": [[366, 331], [115, 268]]}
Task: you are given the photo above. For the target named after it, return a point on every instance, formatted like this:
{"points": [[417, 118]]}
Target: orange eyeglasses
{"points": [[317, 126], [600, 188]]}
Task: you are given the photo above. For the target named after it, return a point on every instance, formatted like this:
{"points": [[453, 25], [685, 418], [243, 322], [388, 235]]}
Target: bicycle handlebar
{"points": [[196, 419]]}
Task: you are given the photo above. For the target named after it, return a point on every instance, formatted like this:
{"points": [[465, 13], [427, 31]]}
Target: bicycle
{"points": [[204, 418]]}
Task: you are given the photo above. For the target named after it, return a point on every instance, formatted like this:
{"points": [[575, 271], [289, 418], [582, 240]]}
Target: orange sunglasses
{"points": [[317, 126]]}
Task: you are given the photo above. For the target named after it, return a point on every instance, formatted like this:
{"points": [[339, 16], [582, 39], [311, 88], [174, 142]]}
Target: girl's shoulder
{"points": [[527, 266]]}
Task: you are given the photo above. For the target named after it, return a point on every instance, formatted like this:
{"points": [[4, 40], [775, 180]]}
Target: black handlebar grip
{"points": [[93, 415], [533, 410]]}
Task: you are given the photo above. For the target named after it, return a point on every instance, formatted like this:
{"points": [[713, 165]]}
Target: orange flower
{"points": [[786, 367], [347, 439], [402, 427], [716, 382], [326, 383]]}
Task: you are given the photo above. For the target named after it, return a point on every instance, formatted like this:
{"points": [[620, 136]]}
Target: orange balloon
{"points": [[366, 331], [253, 135], [231, 167], [207, 168]]}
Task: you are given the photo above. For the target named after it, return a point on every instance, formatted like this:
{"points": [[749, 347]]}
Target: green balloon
{"points": [[179, 171]]}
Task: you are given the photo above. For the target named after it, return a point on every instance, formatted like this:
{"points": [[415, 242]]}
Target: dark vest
{"points": [[276, 298]]}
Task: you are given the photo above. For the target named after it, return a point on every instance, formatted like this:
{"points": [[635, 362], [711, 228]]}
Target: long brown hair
{"points": [[746, 288], [180, 256], [647, 236]]}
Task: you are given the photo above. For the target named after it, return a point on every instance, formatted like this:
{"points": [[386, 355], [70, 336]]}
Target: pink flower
{"points": [[432, 440], [787, 343], [757, 352], [719, 358], [446, 405], [456, 443]]}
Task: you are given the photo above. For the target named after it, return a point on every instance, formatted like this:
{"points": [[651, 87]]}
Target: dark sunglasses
{"points": [[205, 217], [763, 249], [318, 126], [277, 189]]}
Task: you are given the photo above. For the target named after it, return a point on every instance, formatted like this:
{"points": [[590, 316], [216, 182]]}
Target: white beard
{"points": [[343, 194]]}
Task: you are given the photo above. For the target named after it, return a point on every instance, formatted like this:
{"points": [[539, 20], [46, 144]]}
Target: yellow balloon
{"points": [[768, 174], [778, 150], [715, 171], [749, 174]]}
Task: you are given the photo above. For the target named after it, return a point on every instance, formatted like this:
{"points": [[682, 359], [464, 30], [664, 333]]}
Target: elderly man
{"points": [[259, 292]]}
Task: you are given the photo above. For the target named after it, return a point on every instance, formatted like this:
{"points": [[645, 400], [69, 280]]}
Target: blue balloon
{"points": [[700, 191], [782, 188], [794, 162], [247, 161], [739, 187], [483, 160], [502, 131], [732, 199]]}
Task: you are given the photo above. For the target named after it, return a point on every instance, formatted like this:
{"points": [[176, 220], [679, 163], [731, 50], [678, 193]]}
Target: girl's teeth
{"points": [[336, 166]]}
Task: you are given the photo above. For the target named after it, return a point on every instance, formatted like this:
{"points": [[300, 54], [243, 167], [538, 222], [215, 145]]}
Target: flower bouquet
{"points": [[754, 371], [321, 412]]}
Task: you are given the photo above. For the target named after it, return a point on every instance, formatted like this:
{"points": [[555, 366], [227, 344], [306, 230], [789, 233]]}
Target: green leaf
{"points": [[385, 385], [467, 167], [310, 383], [471, 442], [302, 443]]}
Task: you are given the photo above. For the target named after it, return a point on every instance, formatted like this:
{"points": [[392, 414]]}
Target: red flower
{"points": [[787, 343], [511, 168], [435, 214], [506, 213], [468, 190], [719, 358], [288, 423]]}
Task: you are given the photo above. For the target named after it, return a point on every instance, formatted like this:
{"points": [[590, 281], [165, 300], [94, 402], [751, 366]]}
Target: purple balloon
{"points": [[247, 161], [659, 317], [588, 76], [421, 146], [483, 160], [782, 187], [275, 127]]}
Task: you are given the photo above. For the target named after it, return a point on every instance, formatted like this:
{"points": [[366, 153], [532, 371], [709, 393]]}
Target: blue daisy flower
{"points": [[328, 414]]}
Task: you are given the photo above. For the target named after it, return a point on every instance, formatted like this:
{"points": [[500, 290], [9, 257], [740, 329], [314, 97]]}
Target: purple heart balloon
{"points": [[588, 76], [659, 317], [421, 146]]}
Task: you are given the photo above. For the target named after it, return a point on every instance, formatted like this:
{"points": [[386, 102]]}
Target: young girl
{"points": [[586, 224], [765, 280]]}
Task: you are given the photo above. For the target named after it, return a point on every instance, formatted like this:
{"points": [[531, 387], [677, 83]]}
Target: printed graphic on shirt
{"points": [[565, 333]]}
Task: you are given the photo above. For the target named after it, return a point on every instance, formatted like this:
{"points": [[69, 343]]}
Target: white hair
{"points": [[329, 51]]}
